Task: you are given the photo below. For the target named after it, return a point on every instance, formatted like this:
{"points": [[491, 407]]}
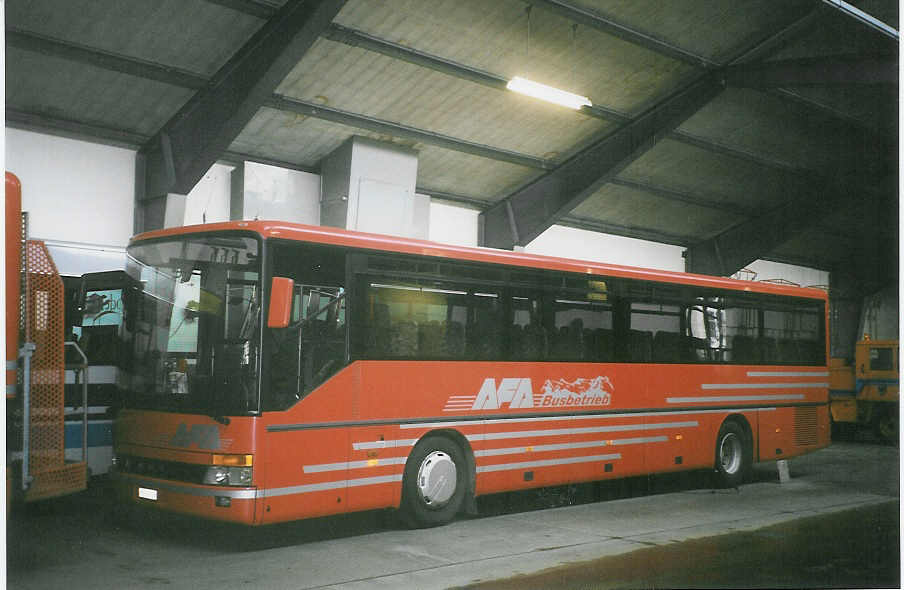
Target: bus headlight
{"points": [[219, 475]]}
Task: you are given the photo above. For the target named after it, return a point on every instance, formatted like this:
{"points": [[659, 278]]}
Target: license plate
{"points": [[147, 494]]}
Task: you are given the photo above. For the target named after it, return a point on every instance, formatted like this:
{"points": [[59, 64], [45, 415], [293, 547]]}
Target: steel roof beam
{"points": [[191, 80], [463, 200], [624, 231], [356, 38], [682, 197], [99, 58], [261, 10], [183, 79], [234, 157], [182, 151], [31, 121], [53, 125], [863, 17], [326, 113], [595, 20], [724, 254], [359, 39], [782, 38], [529, 211], [820, 71]]}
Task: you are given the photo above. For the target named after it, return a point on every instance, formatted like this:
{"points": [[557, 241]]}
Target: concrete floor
{"points": [[75, 543]]}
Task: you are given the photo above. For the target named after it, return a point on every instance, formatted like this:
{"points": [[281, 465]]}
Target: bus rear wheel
{"points": [[733, 455], [434, 483]]}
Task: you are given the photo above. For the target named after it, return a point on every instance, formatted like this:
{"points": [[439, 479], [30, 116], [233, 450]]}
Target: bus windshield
{"points": [[197, 325]]}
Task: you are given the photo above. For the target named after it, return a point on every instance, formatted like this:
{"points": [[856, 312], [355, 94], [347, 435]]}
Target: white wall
{"points": [[452, 225], [569, 242], [74, 191], [208, 202], [277, 193], [77, 191]]}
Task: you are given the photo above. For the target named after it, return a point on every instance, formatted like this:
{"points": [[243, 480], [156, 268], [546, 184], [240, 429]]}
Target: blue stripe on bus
{"points": [[861, 383]]}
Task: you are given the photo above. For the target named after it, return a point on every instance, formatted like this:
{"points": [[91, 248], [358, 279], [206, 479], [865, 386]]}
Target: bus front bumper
{"points": [[230, 504]]}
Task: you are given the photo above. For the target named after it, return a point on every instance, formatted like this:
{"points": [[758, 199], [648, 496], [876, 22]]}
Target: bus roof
{"points": [[385, 243]]}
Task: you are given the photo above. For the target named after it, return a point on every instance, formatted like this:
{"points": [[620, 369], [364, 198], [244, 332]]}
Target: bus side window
{"points": [[313, 347], [527, 336]]}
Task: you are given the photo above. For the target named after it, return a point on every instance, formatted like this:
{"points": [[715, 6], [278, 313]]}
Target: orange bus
{"points": [[284, 371]]}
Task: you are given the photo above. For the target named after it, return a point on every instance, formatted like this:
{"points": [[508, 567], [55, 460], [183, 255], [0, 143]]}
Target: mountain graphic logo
{"points": [[580, 392]]}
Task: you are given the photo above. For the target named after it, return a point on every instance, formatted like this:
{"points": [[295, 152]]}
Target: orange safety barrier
{"points": [[44, 300], [13, 270]]}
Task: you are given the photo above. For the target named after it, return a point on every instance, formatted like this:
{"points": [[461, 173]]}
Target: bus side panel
{"points": [[789, 432], [776, 432], [306, 474], [376, 463], [679, 390], [307, 452]]}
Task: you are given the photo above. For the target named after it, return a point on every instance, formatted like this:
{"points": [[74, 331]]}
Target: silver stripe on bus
{"points": [[383, 444], [11, 365], [547, 463], [354, 464], [589, 430], [11, 389], [733, 398], [797, 385], [537, 433], [329, 485], [240, 494], [787, 374], [563, 417], [569, 446]]}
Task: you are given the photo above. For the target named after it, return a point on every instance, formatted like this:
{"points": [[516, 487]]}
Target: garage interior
{"points": [[709, 137], [738, 130]]}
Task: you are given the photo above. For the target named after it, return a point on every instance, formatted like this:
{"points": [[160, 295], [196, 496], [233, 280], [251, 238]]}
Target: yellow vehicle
{"points": [[866, 394]]}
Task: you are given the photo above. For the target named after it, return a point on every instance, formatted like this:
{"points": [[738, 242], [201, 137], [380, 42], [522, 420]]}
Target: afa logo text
{"points": [[518, 393]]}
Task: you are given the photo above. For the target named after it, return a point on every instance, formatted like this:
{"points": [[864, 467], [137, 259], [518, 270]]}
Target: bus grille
{"points": [[805, 426], [172, 470]]}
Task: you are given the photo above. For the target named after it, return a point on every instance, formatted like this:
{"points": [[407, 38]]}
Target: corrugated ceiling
{"points": [[740, 155]]}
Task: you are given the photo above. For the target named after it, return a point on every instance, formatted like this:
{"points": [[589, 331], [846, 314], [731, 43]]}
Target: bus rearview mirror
{"points": [[280, 311]]}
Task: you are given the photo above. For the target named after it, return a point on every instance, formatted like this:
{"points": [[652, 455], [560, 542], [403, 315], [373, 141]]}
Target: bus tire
{"points": [[434, 483], [886, 424], [733, 455]]}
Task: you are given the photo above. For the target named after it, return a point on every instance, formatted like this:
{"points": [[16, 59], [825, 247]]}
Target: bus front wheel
{"points": [[733, 455], [886, 423], [434, 483]]}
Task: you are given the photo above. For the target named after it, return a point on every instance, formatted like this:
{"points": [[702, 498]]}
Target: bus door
{"points": [[301, 359]]}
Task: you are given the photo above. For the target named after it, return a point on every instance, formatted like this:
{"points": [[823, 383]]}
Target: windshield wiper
{"points": [[224, 420]]}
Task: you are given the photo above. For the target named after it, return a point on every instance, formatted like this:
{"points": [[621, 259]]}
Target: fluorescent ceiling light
{"points": [[547, 93]]}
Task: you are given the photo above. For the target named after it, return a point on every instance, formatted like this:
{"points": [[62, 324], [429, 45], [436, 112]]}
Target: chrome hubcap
{"points": [[436, 479], [730, 450]]}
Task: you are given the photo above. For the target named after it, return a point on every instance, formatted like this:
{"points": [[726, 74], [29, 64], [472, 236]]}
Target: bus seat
{"points": [[403, 339], [576, 339], [534, 343], [789, 351], [378, 342], [431, 339], [768, 349], [640, 346], [668, 347], [743, 349], [604, 345], [455, 339]]}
